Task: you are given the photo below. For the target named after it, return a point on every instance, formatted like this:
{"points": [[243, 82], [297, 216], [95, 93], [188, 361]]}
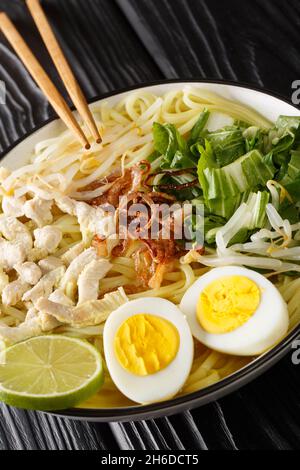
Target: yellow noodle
{"points": [[210, 379], [112, 283]]}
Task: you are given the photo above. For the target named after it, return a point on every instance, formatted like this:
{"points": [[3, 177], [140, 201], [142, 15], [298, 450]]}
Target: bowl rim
{"points": [[224, 386]]}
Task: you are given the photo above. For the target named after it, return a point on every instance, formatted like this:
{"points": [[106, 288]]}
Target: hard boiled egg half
{"points": [[235, 310], [148, 348]]}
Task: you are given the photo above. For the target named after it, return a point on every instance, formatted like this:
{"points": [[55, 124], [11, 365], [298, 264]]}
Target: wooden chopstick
{"points": [[41, 78], [62, 66]]}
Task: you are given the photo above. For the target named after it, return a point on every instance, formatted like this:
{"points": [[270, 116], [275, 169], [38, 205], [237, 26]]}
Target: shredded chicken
{"points": [[92, 221], [39, 210], [29, 272], [77, 266], [44, 280], [13, 206], [45, 286], [88, 281], [49, 264], [32, 313], [16, 232], [11, 254], [72, 253], [86, 314], [47, 238], [59, 297], [28, 329], [66, 205], [36, 254], [48, 322], [13, 292]]}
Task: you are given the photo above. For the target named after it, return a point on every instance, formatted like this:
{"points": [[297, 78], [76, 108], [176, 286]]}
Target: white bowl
{"points": [[267, 104]]}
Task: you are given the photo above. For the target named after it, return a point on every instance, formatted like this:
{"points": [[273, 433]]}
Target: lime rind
{"points": [[56, 401]]}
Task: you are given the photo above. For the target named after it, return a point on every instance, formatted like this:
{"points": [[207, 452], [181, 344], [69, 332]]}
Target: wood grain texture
{"points": [[254, 41], [89, 33], [116, 43]]}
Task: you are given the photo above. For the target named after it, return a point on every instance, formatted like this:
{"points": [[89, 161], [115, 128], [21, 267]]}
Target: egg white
{"points": [[165, 383], [263, 330]]}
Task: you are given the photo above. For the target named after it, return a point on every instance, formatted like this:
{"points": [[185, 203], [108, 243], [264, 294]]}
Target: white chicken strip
{"points": [[29, 272], [66, 205], [11, 254], [48, 322], [72, 253], [39, 210], [47, 238], [77, 265], [12, 335], [18, 241], [13, 292], [13, 206], [88, 313], [45, 286], [31, 314], [49, 264], [36, 254], [14, 231], [59, 297], [92, 221], [88, 281]]}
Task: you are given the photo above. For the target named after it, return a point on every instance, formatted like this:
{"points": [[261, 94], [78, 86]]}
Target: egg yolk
{"points": [[227, 303], [146, 344]]}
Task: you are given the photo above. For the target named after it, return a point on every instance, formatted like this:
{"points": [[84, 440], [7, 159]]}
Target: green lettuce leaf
{"points": [[256, 204], [172, 146], [288, 122], [293, 188], [164, 139], [212, 224], [291, 180], [254, 138], [283, 138], [224, 207], [233, 165], [198, 128], [228, 144], [293, 167], [289, 211], [245, 173]]}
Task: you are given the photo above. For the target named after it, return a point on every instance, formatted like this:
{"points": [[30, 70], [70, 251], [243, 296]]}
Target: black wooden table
{"points": [[116, 43]]}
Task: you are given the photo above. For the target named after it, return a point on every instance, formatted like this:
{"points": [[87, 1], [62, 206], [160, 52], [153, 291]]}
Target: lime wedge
{"points": [[50, 372]]}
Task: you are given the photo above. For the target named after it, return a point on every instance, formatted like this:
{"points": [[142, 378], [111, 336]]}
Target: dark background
{"points": [[116, 43]]}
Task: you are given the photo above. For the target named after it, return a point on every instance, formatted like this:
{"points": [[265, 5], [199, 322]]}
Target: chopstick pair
{"points": [[41, 77]]}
